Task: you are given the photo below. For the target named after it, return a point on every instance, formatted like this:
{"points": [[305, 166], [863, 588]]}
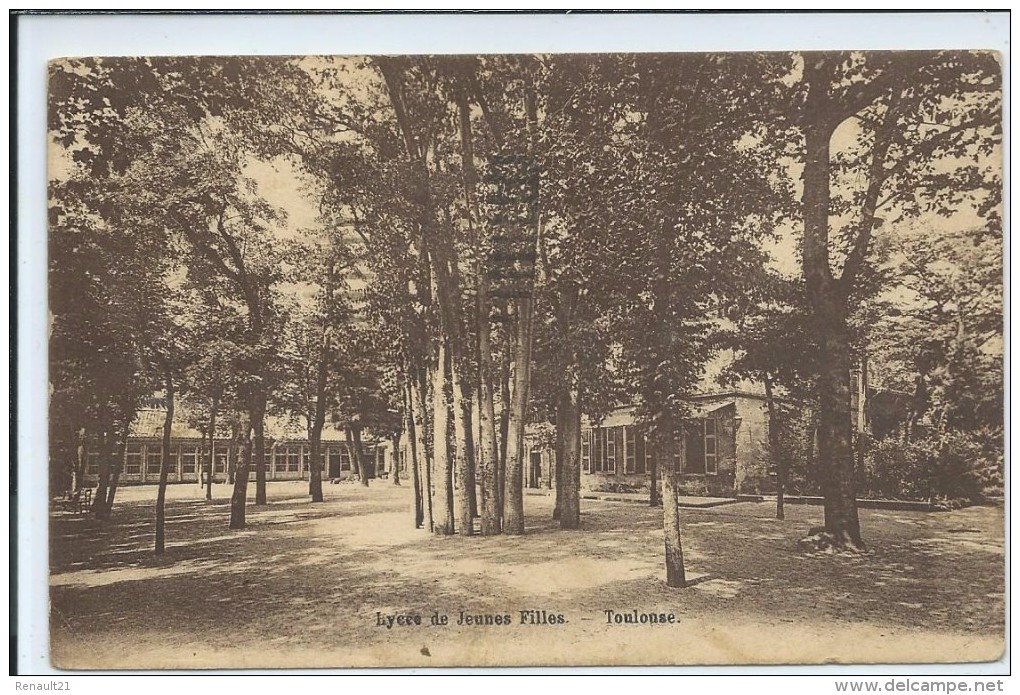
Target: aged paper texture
{"points": [[526, 360]]}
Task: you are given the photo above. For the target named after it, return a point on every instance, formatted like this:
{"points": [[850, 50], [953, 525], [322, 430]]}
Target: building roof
{"points": [[624, 415], [148, 423]]}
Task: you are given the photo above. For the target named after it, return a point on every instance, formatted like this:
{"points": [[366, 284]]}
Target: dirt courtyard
{"points": [[316, 585]]}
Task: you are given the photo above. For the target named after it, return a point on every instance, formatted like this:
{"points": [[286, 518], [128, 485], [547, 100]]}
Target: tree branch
{"points": [[877, 176]]}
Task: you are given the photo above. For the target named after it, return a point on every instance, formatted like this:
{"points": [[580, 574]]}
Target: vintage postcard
{"points": [[526, 360]]}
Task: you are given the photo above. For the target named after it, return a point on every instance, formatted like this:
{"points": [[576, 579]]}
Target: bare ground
{"points": [[302, 585]]}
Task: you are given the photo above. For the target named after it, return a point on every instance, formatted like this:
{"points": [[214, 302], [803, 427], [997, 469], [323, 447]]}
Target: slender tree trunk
{"points": [[504, 426], [395, 459], [463, 478], [210, 470], [778, 459], [561, 427], [654, 497], [355, 461], [513, 489], [422, 454], [99, 509], [103, 500], [318, 422], [569, 473], [675, 575], [164, 467], [486, 460], [80, 461], [443, 521], [118, 464], [568, 436], [354, 437], [412, 449], [258, 423], [472, 463], [235, 435], [239, 497], [315, 464]]}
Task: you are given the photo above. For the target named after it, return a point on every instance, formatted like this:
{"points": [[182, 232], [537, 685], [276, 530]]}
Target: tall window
{"points": [[345, 458], [610, 449], [711, 443], [294, 460], [221, 459], [153, 458], [189, 459], [701, 446], [133, 459], [586, 451], [287, 458], [598, 450], [92, 463], [630, 450], [640, 465]]}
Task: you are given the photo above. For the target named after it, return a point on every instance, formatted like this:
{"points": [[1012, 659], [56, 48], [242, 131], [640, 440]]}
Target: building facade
{"points": [[288, 454], [723, 451]]}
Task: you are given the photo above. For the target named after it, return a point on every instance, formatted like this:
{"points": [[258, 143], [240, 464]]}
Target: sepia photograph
{"points": [[526, 360]]}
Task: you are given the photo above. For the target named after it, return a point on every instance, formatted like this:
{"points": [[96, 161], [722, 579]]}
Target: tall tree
{"points": [[688, 226], [917, 130]]}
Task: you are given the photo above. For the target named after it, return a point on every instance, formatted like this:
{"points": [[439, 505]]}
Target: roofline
{"points": [[732, 393]]}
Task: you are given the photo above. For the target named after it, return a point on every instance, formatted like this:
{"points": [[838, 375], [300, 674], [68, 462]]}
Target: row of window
{"points": [[615, 449], [288, 458]]}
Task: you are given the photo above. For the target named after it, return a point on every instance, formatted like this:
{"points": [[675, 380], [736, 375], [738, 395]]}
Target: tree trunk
{"points": [[569, 470], [164, 468], [654, 498], [472, 464], [829, 307], [258, 423], [504, 426], [422, 455], [486, 460], [835, 432], [211, 469], [443, 521], [354, 439], [111, 491], [99, 509], [412, 454], [318, 422], [395, 459], [775, 444], [675, 574], [239, 497], [568, 433], [561, 426], [235, 434], [80, 461], [463, 463], [315, 463], [513, 488]]}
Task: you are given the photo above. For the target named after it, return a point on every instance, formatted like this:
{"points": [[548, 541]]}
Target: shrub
{"points": [[953, 466]]}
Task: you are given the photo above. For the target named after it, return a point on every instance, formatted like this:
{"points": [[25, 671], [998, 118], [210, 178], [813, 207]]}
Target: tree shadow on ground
{"points": [[317, 574]]}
